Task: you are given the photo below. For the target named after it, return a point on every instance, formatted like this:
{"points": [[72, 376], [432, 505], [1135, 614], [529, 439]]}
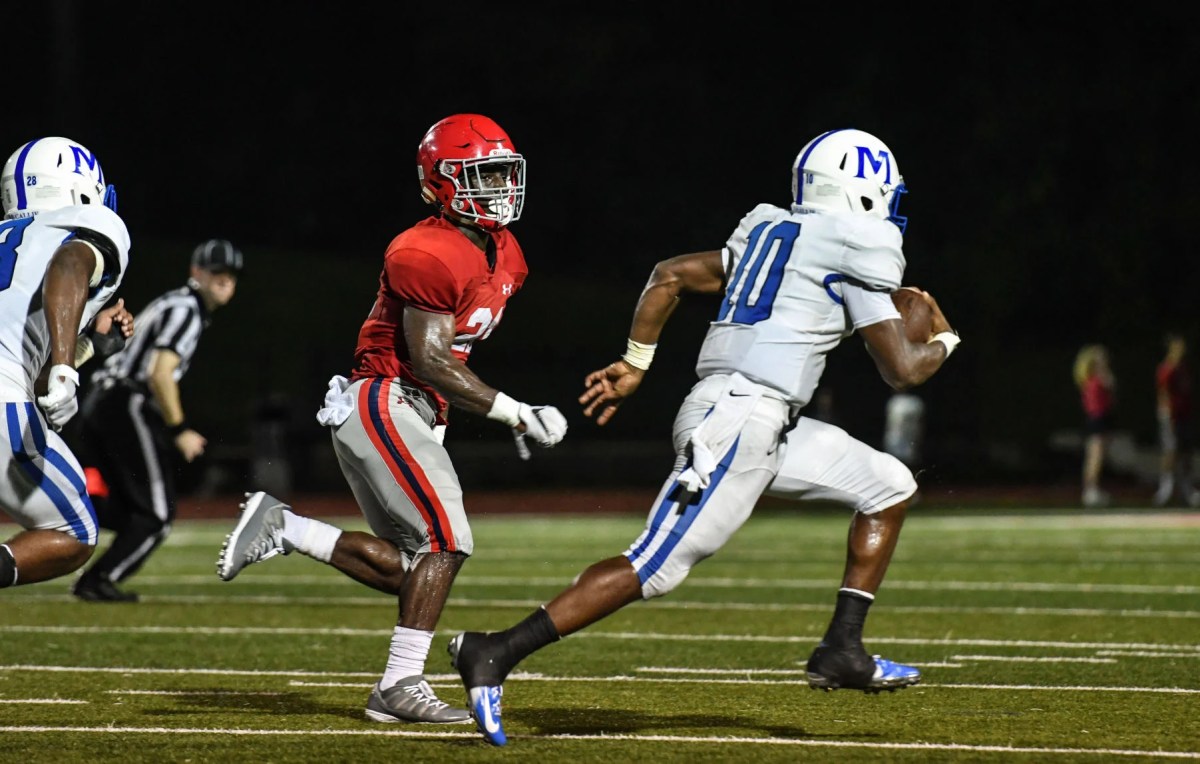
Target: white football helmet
{"points": [[849, 170], [50, 173]]}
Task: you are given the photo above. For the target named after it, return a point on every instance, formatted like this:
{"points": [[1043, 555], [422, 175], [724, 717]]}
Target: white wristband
{"points": [[506, 410], [949, 339], [66, 371], [638, 355]]}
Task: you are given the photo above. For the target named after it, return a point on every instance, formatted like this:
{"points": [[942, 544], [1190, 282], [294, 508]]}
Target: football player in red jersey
{"points": [[444, 285]]}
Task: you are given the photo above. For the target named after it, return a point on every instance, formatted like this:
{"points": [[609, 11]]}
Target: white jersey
{"points": [[26, 246], [783, 309]]}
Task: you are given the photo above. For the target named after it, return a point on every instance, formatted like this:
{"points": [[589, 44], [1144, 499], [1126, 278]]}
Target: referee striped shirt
{"points": [[171, 321]]}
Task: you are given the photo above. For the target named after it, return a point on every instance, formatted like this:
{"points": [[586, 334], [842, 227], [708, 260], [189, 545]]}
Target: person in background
{"points": [[1173, 385], [904, 428], [1098, 396], [134, 424]]}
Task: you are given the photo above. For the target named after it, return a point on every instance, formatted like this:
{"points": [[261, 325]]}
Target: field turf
{"points": [[1043, 636]]}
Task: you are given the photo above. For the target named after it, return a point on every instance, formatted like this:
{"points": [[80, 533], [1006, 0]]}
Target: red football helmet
{"points": [[468, 167]]}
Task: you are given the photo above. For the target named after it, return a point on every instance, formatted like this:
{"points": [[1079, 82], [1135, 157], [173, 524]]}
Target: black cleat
{"points": [[100, 590], [851, 669]]}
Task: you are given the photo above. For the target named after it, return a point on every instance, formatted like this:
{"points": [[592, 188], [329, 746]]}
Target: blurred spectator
{"points": [[1173, 380], [1097, 389], [904, 428]]}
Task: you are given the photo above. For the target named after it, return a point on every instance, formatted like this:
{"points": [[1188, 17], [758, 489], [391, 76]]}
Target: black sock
{"points": [[848, 618], [530, 635], [496, 654], [8, 567]]}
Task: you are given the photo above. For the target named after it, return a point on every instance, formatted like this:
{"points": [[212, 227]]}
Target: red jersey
{"points": [[433, 266], [1174, 380], [1098, 397]]}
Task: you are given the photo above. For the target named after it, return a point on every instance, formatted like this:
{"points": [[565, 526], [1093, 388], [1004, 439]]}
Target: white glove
{"points": [[545, 424], [59, 403]]}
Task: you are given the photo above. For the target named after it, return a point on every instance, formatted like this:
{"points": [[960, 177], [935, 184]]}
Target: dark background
{"points": [[1051, 164]]}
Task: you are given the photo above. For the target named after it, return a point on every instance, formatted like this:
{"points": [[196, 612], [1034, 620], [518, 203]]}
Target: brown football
{"points": [[914, 310]]}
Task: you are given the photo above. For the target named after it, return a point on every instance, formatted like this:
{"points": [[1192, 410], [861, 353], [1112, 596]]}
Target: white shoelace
{"points": [[266, 547], [423, 693]]}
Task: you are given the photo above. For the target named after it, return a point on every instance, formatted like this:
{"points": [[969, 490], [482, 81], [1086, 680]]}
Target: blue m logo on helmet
{"points": [[82, 157], [884, 162]]}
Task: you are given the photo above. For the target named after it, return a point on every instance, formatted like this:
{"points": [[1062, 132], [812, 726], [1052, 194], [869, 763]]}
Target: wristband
{"points": [[505, 409], [638, 355], [174, 429], [949, 339], [66, 371]]}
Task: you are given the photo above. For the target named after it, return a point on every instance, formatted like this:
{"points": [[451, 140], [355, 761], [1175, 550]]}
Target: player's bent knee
{"points": [[894, 483], [664, 581], [79, 554]]}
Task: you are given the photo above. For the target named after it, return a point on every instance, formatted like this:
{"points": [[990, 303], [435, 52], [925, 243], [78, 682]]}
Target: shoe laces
{"points": [[423, 694], [266, 546]]}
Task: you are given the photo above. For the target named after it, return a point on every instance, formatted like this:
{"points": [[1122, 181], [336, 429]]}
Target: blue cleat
{"points": [[892, 676], [485, 707], [855, 670], [484, 686]]}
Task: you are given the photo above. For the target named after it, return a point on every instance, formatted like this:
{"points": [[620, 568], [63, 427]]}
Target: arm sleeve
{"points": [[108, 254], [102, 228], [867, 307], [421, 280]]}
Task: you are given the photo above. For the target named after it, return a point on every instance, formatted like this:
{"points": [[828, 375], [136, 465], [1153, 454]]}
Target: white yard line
{"points": [[305, 678], [715, 740], [1139, 648], [529, 604], [701, 582]]}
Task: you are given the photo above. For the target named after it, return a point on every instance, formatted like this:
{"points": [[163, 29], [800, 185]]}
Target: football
{"points": [[915, 312]]}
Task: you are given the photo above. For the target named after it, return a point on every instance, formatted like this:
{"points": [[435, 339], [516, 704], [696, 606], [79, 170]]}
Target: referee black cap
{"points": [[218, 256]]}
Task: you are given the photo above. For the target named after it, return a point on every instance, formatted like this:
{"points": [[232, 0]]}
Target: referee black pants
{"points": [[124, 436]]}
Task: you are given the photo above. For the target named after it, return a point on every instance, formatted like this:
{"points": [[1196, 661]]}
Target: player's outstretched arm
{"points": [[429, 337], [605, 389], [904, 364], [700, 273]]}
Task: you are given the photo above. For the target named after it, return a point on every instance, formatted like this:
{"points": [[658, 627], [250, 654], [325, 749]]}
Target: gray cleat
{"points": [[257, 536], [412, 700]]}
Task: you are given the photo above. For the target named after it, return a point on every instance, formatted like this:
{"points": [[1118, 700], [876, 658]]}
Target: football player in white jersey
{"points": [[796, 282], [63, 253]]}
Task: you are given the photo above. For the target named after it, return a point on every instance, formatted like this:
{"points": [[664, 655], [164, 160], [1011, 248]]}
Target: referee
{"points": [[133, 421]]}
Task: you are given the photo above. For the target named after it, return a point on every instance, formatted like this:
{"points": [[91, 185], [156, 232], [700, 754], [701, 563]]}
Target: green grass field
{"points": [[1042, 636]]}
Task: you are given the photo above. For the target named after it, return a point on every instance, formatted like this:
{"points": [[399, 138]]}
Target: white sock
{"points": [[406, 656], [859, 592], [308, 536]]}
